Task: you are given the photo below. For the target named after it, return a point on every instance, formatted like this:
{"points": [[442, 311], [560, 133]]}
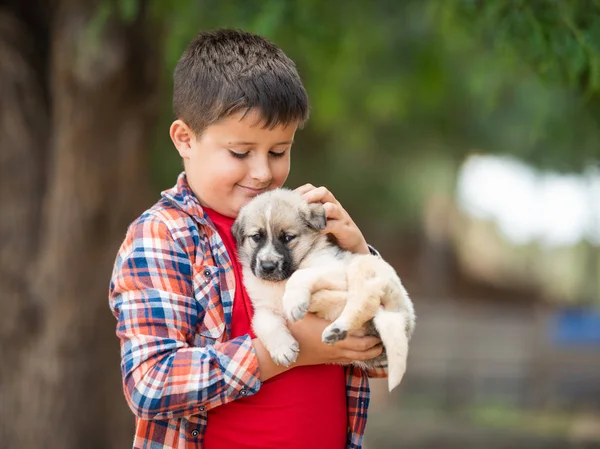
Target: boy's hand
{"points": [[314, 352], [339, 223]]}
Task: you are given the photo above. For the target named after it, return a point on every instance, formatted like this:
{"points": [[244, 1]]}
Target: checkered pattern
{"points": [[171, 292]]}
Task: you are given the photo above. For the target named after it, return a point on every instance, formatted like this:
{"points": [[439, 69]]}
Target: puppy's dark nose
{"points": [[268, 267]]}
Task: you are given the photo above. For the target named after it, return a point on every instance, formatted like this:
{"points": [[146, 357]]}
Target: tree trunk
{"points": [[76, 117]]}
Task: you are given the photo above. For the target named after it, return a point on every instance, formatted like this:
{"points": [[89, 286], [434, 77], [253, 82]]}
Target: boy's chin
{"points": [[241, 202], [246, 195]]}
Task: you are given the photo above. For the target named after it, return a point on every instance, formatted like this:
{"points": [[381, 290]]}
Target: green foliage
{"points": [[560, 40], [537, 63], [128, 9]]}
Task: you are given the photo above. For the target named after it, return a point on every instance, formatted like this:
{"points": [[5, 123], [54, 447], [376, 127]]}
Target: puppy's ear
{"points": [[315, 216], [237, 229]]}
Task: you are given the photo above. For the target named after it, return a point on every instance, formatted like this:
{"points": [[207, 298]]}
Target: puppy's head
{"points": [[275, 231]]}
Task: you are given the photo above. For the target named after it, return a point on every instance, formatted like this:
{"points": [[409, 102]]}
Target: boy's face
{"points": [[234, 160]]}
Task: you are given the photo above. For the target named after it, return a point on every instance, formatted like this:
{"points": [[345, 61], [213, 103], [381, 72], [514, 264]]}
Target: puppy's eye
{"points": [[288, 238], [256, 237]]}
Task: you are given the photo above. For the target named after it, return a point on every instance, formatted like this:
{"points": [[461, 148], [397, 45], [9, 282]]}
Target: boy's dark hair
{"points": [[226, 71]]}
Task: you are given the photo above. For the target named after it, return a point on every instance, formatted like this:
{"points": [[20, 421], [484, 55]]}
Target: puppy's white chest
{"points": [[264, 294]]}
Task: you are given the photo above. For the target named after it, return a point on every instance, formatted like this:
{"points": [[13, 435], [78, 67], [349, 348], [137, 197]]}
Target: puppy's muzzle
{"points": [[268, 267], [271, 270]]}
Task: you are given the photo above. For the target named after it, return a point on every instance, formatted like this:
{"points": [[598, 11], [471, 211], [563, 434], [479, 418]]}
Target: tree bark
{"points": [[24, 131], [75, 132]]}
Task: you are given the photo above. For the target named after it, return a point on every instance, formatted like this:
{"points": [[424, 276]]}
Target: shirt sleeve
{"points": [[152, 296]]}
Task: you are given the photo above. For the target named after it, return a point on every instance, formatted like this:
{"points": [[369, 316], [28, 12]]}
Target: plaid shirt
{"points": [[172, 293]]}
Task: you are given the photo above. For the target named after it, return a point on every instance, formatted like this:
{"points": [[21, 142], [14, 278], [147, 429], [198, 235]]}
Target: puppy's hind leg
{"points": [[361, 306], [328, 304], [271, 330]]}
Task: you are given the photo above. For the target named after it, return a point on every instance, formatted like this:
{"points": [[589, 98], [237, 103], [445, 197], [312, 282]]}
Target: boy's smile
{"points": [[234, 159], [253, 191]]}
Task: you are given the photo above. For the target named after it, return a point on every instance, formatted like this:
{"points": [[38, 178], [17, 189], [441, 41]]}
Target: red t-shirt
{"points": [[304, 407]]}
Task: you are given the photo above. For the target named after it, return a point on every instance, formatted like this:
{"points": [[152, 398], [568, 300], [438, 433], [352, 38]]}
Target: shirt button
{"points": [[195, 433], [244, 392], [201, 408], [207, 273]]}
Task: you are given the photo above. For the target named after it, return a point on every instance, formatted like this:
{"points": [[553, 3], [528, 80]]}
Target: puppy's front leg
{"points": [[271, 330], [303, 283]]}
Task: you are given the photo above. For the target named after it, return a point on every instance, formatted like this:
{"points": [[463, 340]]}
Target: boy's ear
{"points": [[238, 230], [315, 217], [182, 137]]}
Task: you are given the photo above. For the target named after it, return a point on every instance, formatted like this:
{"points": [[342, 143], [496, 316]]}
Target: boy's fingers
{"points": [[320, 194], [363, 355], [358, 344], [335, 227], [305, 188], [332, 211], [369, 342], [375, 351], [333, 220]]}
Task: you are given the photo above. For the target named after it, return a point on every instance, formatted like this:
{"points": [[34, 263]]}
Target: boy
{"points": [[194, 374]]}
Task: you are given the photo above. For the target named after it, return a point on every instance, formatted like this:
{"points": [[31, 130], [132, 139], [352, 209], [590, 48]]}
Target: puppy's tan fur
{"points": [[360, 293]]}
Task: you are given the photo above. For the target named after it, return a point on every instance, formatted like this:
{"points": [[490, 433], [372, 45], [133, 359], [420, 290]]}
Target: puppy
{"points": [[291, 268]]}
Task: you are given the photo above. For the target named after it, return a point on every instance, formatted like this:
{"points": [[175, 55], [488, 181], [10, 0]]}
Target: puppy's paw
{"points": [[333, 333], [285, 352], [295, 304]]}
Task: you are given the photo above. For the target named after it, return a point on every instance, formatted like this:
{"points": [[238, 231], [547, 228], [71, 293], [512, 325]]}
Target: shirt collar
{"points": [[182, 196]]}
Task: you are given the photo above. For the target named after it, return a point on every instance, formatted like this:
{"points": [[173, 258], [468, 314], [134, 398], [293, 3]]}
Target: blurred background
{"points": [[462, 136]]}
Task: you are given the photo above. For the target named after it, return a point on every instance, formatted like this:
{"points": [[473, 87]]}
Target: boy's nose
{"points": [[261, 172], [262, 177]]}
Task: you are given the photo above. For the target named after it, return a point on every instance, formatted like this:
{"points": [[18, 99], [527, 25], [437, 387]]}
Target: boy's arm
{"points": [[152, 297]]}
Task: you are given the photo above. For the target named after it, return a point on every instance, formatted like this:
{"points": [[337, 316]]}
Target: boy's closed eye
{"points": [[243, 155]]}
